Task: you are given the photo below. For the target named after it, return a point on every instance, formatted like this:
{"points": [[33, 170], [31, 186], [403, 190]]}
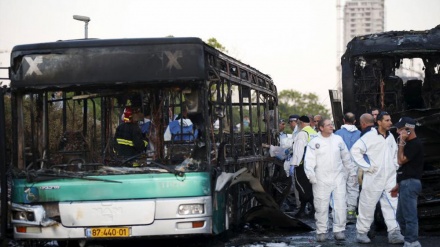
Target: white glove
{"points": [[372, 169], [313, 180], [287, 167]]}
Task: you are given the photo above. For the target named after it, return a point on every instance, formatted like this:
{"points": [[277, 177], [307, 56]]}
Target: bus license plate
{"points": [[106, 232]]}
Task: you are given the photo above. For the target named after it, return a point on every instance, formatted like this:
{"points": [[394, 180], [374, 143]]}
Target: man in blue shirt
{"points": [[350, 134], [181, 129]]}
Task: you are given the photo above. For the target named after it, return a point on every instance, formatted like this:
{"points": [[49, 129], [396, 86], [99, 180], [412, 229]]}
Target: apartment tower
{"points": [[362, 17]]}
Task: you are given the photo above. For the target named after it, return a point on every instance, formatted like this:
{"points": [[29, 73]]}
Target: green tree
{"points": [[294, 102], [214, 43]]}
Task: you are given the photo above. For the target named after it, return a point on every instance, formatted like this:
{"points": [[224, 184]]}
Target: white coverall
{"points": [[326, 160], [382, 154]]}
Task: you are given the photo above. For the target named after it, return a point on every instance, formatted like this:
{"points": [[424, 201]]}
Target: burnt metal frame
{"points": [[233, 73], [388, 45]]}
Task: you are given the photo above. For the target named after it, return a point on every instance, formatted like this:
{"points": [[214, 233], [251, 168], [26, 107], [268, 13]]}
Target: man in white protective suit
{"points": [[325, 164], [380, 147]]}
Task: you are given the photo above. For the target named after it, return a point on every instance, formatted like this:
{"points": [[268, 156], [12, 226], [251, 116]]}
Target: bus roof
{"points": [[93, 62], [86, 43], [395, 43], [116, 62]]}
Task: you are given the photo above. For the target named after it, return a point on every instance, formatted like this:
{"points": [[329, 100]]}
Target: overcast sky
{"points": [[294, 41]]}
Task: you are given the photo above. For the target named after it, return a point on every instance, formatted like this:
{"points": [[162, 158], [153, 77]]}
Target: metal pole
{"points": [[86, 20], [86, 28]]}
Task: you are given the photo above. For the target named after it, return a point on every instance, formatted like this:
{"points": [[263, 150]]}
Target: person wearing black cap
{"points": [[410, 159], [302, 183]]}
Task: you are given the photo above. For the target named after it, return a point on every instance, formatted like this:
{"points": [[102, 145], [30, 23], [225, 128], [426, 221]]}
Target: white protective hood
{"points": [[349, 127]]}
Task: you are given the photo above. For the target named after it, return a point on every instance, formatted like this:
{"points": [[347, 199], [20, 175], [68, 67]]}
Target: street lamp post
{"points": [[85, 19]]}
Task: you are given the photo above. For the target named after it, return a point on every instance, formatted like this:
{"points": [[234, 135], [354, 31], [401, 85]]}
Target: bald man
{"points": [[367, 122]]}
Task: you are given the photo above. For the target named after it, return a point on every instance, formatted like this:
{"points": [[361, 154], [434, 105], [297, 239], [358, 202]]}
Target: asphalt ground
{"points": [[254, 236]]}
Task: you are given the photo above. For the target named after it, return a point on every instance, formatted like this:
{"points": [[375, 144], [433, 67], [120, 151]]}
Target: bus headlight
{"points": [[22, 215], [30, 215], [189, 209]]}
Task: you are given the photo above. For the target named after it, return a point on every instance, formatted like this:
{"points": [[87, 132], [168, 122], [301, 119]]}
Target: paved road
{"points": [[255, 236], [280, 238]]}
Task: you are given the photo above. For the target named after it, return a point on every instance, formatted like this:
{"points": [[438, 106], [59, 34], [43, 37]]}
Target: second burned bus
{"points": [[399, 72]]}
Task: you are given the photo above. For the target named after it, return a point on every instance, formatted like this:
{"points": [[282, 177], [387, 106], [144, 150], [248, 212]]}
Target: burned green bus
{"points": [[69, 183]]}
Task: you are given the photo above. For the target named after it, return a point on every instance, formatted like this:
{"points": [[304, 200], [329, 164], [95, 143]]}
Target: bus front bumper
{"points": [[114, 218], [187, 226]]}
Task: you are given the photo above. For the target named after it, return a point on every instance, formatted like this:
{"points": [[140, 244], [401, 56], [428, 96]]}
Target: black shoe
{"points": [[371, 234], [306, 211]]}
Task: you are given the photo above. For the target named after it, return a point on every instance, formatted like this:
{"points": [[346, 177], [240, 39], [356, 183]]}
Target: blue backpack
{"points": [[188, 134]]}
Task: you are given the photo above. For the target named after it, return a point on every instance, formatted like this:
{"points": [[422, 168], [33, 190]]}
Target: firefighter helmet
{"points": [[127, 114]]}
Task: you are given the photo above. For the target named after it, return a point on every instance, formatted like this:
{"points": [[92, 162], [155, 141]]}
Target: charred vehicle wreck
{"points": [[196, 172], [398, 72]]}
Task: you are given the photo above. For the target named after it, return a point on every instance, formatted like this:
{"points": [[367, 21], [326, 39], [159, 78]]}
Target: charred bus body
{"points": [[399, 72], [67, 99]]}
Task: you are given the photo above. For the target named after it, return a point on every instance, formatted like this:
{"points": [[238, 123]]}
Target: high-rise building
{"points": [[362, 17], [359, 17]]}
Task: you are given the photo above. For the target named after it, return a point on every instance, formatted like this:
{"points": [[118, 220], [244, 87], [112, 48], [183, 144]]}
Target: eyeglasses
{"points": [[382, 114]]}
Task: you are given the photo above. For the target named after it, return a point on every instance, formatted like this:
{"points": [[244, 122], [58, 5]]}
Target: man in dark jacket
{"points": [[128, 136]]}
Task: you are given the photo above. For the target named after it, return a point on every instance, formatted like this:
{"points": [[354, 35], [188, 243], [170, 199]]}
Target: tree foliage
{"points": [[214, 43], [294, 102]]}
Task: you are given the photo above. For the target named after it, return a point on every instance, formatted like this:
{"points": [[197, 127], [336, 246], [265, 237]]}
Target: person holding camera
{"points": [[409, 186]]}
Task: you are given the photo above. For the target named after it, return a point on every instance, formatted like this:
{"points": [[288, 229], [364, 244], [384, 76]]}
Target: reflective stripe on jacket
{"points": [[311, 133], [121, 141]]}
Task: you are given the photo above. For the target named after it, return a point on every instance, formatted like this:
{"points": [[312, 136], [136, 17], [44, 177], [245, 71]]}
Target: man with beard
{"points": [[302, 183]]}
